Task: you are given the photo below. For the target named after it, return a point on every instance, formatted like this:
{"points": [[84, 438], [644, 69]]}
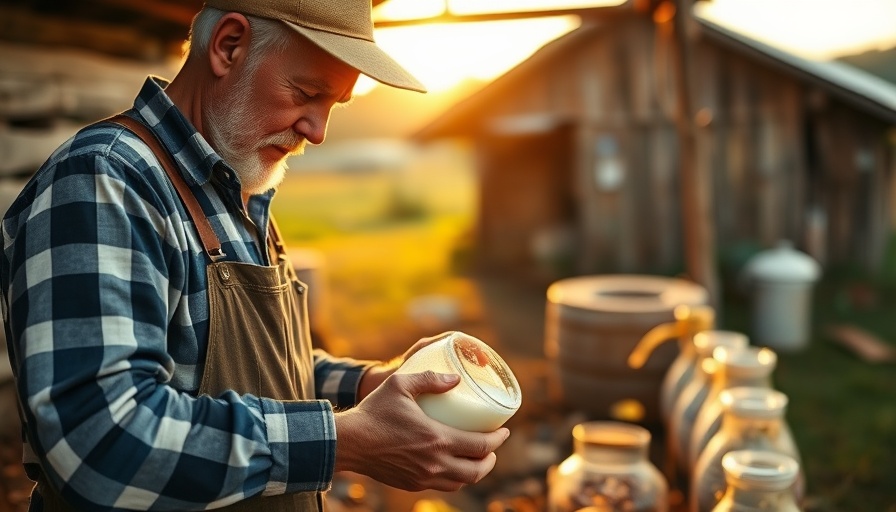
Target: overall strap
{"points": [[277, 248], [210, 241]]}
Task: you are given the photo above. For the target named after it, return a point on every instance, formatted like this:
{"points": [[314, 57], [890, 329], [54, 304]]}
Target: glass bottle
{"points": [[681, 421], [689, 320], [609, 470], [735, 367], [758, 481], [752, 419]]}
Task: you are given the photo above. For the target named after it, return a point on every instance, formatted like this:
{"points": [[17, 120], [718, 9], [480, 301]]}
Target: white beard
{"points": [[233, 130]]}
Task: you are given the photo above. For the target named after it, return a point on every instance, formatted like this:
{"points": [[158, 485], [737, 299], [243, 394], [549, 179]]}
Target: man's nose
{"points": [[313, 127]]}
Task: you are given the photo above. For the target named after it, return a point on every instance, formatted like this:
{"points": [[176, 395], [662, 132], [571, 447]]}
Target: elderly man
{"points": [[157, 332]]}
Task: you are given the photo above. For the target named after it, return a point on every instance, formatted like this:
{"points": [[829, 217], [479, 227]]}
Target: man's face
{"points": [[259, 118]]}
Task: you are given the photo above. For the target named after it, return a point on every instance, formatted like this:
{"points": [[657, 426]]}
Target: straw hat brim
{"points": [[363, 55]]}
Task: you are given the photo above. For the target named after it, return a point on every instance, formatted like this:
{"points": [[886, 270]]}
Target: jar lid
{"points": [[783, 263], [616, 434], [746, 361], [761, 470], [706, 341], [489, 374], [753, 402]]}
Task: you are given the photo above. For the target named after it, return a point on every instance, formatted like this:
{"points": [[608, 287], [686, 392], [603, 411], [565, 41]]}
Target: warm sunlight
{"points": [[444, 55], [411, 9], [817, 29]]}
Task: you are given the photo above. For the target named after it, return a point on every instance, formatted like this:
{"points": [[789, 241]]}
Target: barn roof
{"points": [[854, 86], [455, 121], [862, 89]]}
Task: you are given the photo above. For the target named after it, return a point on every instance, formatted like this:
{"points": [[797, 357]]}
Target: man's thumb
{"points": [[432, 382]]}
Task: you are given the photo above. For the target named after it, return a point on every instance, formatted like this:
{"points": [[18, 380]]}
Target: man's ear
{"points": [[229, 43]]}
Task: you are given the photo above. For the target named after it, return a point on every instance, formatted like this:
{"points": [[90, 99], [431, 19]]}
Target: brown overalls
{"points": [[259, 339]]}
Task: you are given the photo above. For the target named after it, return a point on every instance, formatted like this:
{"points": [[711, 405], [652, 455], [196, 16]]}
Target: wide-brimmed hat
{"points": [[342, 28]]}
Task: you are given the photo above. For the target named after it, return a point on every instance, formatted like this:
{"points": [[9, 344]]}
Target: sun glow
{"points": [[415, 9], [818, 29], [443, 55]]}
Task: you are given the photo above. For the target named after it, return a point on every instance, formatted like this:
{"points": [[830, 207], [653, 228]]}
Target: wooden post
{"points": [[696, 185]]}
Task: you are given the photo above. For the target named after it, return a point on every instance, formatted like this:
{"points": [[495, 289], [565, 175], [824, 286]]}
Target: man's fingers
{"points": [[485, 466], [479, 445]]}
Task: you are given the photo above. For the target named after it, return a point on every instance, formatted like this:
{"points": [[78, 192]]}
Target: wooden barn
{"points": [[65, 64], [578, 153]]}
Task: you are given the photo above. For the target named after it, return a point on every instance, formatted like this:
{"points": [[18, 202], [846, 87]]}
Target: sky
{"points": [[442, 56]]}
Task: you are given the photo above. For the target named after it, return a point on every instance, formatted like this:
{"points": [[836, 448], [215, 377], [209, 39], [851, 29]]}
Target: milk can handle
{"points": [[689, 320]]}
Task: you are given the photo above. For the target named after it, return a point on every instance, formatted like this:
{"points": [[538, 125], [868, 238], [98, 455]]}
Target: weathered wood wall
{"points": [[787, 160], [47, 94]]}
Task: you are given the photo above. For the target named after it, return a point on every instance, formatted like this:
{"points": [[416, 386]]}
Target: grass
{"points": [[842, 410], [384, 246]]}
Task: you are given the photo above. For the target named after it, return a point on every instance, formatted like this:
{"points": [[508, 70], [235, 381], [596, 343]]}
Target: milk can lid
{"points": [[783, 263]]}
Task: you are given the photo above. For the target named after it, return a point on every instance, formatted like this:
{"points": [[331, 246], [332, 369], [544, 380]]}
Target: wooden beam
{"points": [[597, 13], [696, 198], [22, 26], [181, 13]]}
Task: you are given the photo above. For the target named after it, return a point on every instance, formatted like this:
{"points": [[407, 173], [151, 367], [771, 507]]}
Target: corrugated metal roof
{"points": [[865, 91], [874, 94]]}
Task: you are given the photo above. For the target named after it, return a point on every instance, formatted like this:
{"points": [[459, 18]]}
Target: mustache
{"points": [[296, 143]]}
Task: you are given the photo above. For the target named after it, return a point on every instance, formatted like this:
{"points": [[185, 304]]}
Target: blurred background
{"points": [[559, 139]]}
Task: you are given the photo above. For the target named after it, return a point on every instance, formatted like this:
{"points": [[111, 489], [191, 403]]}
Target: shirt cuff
{"points": [[302, 440]]}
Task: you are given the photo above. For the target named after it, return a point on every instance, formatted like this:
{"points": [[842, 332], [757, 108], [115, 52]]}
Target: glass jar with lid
{"points": [[752, 419], [691, 398], [758, 481], [609, 470], [750, 366]]}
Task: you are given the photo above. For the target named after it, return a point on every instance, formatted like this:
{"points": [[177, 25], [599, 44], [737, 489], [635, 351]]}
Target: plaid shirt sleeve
{"points": [[87, 309], [337, 378]]}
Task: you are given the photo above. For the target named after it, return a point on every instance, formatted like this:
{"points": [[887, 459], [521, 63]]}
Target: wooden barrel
{"points": [[593, 323]]}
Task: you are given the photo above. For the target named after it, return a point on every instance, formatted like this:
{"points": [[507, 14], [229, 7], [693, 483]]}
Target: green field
{"points": [[386, 238]]}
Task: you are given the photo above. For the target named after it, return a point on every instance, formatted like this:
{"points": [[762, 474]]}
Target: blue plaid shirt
{"points": [[106, 315]]}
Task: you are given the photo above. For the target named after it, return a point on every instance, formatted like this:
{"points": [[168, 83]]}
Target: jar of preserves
{"points": [[609, 470]]}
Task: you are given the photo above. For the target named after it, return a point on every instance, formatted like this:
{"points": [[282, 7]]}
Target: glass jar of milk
{"points": [[488, 393]]}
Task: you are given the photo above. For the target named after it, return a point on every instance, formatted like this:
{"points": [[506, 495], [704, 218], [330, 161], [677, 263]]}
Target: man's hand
{"points": [[389, 438], [375, 375]]}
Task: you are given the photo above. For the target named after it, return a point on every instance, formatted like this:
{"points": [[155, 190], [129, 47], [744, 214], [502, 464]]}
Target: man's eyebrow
{"points": [[321, 86], [324, 88]]}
